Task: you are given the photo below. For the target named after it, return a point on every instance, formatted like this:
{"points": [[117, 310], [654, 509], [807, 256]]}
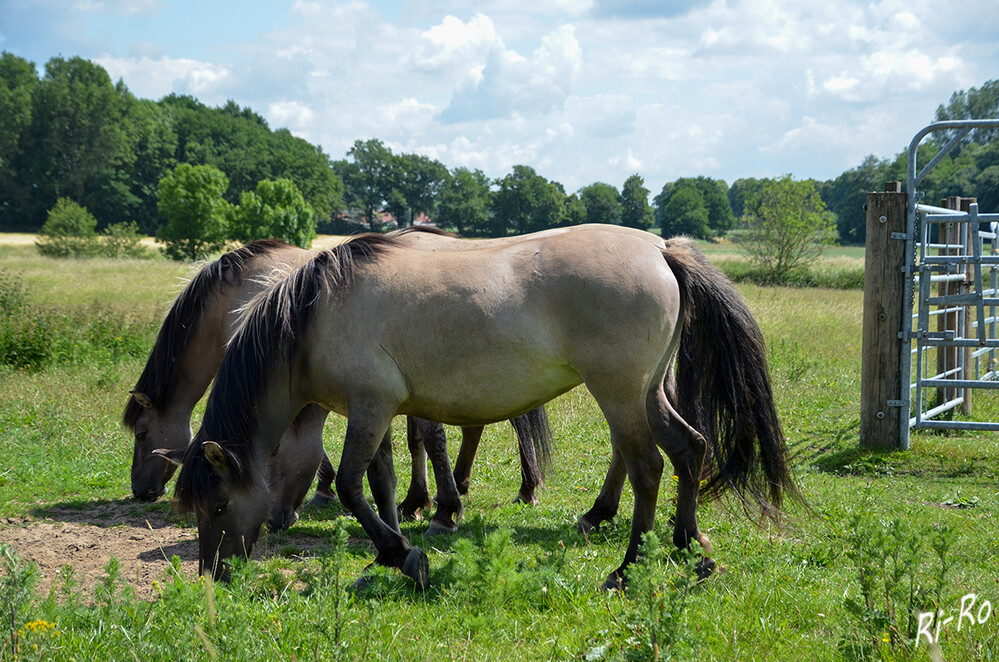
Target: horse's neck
{"points": [[200, 358]]}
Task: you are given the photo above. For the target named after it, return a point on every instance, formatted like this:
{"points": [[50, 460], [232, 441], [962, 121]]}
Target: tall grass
{"points": [[515, 582]]}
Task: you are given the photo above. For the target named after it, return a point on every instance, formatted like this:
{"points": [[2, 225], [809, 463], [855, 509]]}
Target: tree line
{"points": [[197, 176]]}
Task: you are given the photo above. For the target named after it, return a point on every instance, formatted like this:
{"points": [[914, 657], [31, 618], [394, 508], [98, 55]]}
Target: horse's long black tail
{"points": [[534, 426], [723, 386]]}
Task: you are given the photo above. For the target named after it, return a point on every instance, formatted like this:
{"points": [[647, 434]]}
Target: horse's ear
{"points": [[175, 456], [216, 456], [230, 274], [142, 399]]}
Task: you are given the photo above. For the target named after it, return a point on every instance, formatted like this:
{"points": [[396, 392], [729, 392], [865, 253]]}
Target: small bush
{"points": [[121, 240], [69, 231]]}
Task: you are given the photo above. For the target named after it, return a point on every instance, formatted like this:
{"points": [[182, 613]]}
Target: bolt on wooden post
{"points": [[884, 290]]}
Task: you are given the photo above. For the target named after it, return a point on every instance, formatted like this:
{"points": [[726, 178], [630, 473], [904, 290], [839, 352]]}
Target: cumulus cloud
{"points": [[295, 116], [510, 83], [583, 90], [154, 78], [456, 44]]}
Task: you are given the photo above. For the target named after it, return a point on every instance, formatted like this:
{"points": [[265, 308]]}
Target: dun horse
{"points": [[189, 350], [505, 328]]}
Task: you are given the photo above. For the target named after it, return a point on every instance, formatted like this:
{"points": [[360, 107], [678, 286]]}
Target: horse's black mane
{"points": [[159, 378], [274, 324]]}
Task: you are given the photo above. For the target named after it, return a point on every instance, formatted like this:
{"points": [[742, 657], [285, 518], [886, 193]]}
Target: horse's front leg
{"points": [[418, 496], [363, 441], [449, 508], [383, 482]]}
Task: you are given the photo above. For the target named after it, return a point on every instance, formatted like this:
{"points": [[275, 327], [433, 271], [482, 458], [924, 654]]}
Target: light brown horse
{"points": [[189, 349], [505, 328]]}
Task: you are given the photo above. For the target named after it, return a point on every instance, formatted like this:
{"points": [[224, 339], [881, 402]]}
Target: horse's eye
{"points": [[221, 508]]}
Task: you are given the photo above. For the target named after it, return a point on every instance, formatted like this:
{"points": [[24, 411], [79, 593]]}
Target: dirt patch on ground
{"points": [[143, 538]]}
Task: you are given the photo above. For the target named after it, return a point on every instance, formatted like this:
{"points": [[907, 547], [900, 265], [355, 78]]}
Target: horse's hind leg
{"points": [[685, 448], [470, 438], [449, 508], [644, 466], [418, 496], [606, 504], [530, 473], [326, 476]]}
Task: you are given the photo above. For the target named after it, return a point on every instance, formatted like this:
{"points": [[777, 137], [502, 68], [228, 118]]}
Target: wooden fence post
{"points": [[884, 288]]}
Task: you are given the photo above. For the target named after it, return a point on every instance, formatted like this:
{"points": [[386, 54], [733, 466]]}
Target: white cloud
{"points": [[583, 90], [455, 44], [511, 84], [293, 115], [154, 78]]}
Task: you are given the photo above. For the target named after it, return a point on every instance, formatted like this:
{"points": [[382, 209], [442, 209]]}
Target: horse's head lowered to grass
{"points": [[185, 356], [251, 403]]}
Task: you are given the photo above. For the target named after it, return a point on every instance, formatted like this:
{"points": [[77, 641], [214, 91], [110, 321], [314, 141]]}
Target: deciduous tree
{"points": [[197, 215], [635, 209], [787, 226], [602, 203], [275, 210]]}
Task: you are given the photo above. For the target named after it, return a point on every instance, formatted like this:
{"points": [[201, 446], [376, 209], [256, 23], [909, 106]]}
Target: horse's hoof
{"points": [[409, 515], [530, 500], [320, 501], [438, 529], [408, 512], [584, 526], [417, 567], [282, 521], [705, 567], [362, 582], [614, 582]]}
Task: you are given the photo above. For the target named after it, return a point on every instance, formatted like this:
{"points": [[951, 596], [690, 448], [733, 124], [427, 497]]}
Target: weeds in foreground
{"points": [[654, 622], [889, 558], [17, 589]]}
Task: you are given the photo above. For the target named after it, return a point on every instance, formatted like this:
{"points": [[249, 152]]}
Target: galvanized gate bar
{"points": [[924, 271]]}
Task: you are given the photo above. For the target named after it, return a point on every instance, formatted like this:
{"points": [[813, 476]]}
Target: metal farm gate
{"points": [[946, 343]]}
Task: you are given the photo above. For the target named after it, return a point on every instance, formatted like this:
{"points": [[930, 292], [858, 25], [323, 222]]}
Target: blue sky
{"points": [[581, 90]]}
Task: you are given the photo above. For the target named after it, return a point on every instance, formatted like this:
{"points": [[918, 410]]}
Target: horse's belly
{"points": [[480, 397]]}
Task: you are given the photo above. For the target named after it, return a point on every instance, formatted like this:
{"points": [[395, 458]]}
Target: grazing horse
{"points": [[505, 328], [189, 350]]}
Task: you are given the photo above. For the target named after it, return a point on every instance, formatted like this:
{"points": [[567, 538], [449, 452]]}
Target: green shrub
{"points": [[69, 231], [121, 240], [33, 337]]}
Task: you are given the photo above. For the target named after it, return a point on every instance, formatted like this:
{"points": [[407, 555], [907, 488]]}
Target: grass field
{"points": [[886, 535]]}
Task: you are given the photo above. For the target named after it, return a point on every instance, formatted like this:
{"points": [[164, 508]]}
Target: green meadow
{"points": [[889, 547]]}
